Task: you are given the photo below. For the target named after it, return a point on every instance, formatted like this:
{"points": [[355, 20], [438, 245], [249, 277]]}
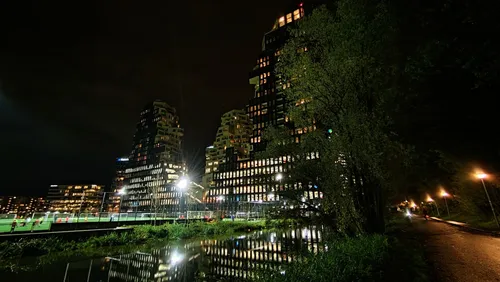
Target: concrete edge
{"points": [[466, 226]]}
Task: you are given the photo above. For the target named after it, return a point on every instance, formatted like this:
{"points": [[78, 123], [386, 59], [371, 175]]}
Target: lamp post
{"points": [[444, 195], [81, 203], [429, 199], [279, 177], [482, 176], [103, 199], [220, 198], [121, 192], [182, 186]]}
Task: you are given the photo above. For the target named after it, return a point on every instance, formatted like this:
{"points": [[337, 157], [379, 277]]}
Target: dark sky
{"points": [[74, 77]]}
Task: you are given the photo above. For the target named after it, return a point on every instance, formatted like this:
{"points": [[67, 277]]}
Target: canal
{"points": [[235, 258]]}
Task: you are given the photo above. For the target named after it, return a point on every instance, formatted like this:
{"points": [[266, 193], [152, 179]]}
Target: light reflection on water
{"points": [[236, 258]]}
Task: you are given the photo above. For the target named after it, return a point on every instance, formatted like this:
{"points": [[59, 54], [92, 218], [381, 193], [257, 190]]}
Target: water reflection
{"points": [[237, 258]]}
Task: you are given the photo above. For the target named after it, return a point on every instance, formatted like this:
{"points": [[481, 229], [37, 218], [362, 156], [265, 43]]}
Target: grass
{"points": [[474, 221], [406, 260]]}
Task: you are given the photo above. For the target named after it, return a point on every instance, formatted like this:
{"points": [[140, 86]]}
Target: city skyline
{"points": [[96, 77]]}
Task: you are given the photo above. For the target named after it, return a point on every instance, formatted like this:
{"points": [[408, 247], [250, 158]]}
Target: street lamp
{"points": [[183, 183], [482, 176], [429, 199], [445, 195], [182, 186], [121, 192], [413, 205], [81, 203]]}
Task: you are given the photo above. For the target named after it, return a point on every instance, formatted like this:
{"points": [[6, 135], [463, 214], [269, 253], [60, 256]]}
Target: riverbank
{"points": [[11, 252], [393, 256]]}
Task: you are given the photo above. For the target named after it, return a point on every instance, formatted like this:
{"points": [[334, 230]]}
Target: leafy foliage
{"points": [[346, 259], [341, 74]]}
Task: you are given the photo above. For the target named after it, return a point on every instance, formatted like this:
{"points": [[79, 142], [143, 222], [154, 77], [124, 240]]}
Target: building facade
{"points": [[155, 162], [113, 201], [234, 132], [22, 206], [251, 179], [78, 198]]}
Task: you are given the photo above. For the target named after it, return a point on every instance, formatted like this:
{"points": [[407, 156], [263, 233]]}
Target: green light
{"points": [[330, 131]]}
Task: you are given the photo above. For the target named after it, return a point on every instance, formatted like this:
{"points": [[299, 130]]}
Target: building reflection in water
{"points": [[237, 258]]}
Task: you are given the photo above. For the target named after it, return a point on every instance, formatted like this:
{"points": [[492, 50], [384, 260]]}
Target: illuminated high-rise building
{"points": [[254, 180], [115, 195], [234, 132], [155, 162]]}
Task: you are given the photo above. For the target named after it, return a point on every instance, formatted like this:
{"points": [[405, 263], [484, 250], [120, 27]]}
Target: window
{"points": [[296, 15], [282, 21], [289, 18]]}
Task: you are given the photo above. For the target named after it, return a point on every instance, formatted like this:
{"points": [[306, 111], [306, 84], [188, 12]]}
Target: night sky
{"points": [[74, 77]]}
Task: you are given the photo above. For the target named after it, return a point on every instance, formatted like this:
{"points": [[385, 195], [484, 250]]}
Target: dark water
{"points": [[236, 258]]}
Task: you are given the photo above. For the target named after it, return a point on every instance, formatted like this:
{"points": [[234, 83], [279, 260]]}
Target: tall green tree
{"points": [[340, 65]]}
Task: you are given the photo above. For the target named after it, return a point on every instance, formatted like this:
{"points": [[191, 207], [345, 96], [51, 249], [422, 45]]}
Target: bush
{"points": [[345, 259]]}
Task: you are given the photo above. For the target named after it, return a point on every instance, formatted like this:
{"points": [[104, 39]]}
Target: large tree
{"points": [[341, 68]]}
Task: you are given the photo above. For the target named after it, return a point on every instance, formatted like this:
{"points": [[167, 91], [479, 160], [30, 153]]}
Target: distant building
{"points": [[75, 198], [211, 166], [234, 132], [114, 197], [22, 206], [155, 162]]}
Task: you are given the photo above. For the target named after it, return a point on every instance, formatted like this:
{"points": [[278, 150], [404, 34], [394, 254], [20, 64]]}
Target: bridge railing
{"points": [[44, 221]]}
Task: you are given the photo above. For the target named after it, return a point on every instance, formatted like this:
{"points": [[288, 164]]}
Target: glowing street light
{"points": [[408, 213], [182, 186], [413, 205], [183, 183], [176, 258], [445, 195], [429, 199], [482, 176]]}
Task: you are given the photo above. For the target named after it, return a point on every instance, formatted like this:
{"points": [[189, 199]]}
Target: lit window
{"points": [[282, 21], [296, 15], [289, 18]]}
